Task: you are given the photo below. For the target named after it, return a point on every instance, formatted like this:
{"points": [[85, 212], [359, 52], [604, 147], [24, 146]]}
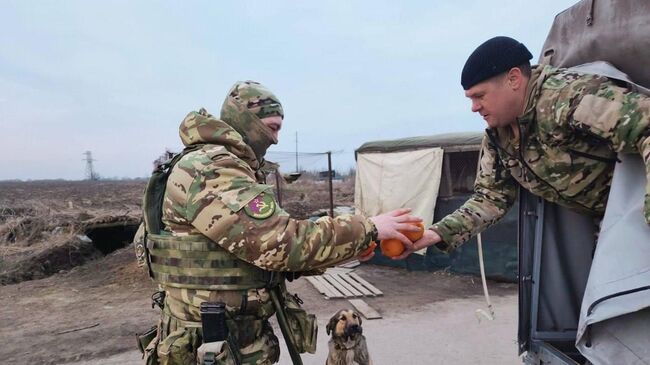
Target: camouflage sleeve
{"points": [[493, 196], [620, 116], [243, 217]]}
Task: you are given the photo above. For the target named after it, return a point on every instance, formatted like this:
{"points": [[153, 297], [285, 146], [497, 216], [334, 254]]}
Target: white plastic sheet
{"points": [[387, 181]]}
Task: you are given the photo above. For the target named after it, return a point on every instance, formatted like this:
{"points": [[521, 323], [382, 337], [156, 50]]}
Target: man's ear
{"points": [[515, 78]]}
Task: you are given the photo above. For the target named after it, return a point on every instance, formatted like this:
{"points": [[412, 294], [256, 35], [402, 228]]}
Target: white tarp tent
{"points": [[387, 181]]}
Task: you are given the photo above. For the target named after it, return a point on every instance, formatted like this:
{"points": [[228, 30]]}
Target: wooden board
{"points": [[366, 284], [347, 293], [350, 264], [358, 286], [363, 308], [320, 287], [342, 283], [336, 293], [338, 270], [324, 287]]}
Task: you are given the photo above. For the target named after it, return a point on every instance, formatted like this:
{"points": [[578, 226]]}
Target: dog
{"points": [[347, 345]]}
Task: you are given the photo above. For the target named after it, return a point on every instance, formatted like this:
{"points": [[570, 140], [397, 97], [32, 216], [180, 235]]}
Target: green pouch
{"points": [[179, 347], [144, 339], [303, 326], [224, 357], [148, 344]]}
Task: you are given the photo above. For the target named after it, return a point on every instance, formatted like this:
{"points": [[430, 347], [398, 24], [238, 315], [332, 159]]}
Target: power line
{"points": [[90, 171]]}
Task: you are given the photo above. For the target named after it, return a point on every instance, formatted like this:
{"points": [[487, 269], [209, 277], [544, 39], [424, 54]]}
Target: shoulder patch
{"points": [[261, 207]]}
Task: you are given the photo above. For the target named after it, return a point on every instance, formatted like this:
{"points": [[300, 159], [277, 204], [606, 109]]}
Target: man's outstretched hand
{"points": [[389, 224], [430, 237]]}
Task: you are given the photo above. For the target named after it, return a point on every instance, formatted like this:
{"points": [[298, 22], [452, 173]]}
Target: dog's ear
{"points": [[358, 317], [331, 325]]}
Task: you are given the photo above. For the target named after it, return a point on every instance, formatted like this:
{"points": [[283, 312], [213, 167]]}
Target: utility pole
{"points": [[329, 170], [297, 152], [90, 171]]}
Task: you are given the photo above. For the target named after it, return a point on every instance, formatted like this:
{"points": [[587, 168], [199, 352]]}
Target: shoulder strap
{"points": [[493, 142], [154, 193]]}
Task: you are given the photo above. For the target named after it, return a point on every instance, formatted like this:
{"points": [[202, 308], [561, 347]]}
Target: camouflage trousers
{"points": [[179, 340]]}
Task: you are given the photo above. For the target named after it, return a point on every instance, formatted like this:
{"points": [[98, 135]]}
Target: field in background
{"points": [[45, 225]]}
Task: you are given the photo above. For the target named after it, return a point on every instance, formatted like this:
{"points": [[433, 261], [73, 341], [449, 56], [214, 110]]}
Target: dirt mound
{"points": [[27, 226], [36, 248], [52, 226], [50, 259]]}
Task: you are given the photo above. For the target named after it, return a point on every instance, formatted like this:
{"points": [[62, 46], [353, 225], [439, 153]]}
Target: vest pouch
{"points": [[222, 357], [245, 329], [148, 344], [303, 326], [179, 347], [144, 339]]}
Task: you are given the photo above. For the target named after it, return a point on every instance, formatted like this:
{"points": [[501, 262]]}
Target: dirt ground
{"points": [[94, 310]]}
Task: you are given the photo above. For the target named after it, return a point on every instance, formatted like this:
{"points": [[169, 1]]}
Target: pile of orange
{"points": [[394, 247]]}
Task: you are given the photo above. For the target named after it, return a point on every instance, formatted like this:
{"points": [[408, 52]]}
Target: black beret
{"points": [[494, 56]]}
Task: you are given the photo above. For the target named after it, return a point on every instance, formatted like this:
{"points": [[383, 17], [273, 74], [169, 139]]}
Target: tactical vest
{"points": [[192, 261], [196, 262]]}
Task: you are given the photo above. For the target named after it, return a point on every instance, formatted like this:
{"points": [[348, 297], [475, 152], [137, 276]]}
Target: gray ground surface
{"points": [[89, 316]]}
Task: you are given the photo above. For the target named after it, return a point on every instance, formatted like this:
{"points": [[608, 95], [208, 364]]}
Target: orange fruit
{"points": [[391, 247], [415, 235], [369, 250]]}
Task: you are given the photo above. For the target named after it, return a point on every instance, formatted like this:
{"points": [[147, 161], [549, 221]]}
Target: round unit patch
{"points": [[261, 207]]}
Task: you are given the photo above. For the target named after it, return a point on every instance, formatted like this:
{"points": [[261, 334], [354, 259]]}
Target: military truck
{"points": [[584, 292]]}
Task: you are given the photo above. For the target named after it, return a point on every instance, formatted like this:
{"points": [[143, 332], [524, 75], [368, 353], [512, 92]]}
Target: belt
{"points": [[245, 329]]}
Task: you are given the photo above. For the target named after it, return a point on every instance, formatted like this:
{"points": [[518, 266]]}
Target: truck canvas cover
{"points": [[614, 324], [572, 292]]}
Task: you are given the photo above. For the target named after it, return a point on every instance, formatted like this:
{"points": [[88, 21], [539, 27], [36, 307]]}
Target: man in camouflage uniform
{"points": [[220, 217], [555, 132]]}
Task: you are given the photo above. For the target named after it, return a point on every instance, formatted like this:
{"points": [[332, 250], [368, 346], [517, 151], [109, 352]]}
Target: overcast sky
{"points": [[117, 77]]}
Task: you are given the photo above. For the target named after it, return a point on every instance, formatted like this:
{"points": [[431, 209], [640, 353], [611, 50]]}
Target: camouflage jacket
{"points": [[218, 191], [572, 128]]}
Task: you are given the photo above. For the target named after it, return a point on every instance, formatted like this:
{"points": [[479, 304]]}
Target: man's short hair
{"points": [[526, 70], [495, 56]]}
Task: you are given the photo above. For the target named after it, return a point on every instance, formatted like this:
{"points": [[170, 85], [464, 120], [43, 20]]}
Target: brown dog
{"points": [[347, 345]]}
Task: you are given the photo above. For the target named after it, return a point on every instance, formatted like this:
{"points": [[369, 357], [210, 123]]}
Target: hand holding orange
{"points": [[415, 235], [394, 247]]}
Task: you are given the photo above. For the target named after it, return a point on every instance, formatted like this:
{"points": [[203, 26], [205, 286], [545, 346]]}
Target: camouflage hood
{"points": [[247, 102], [201, 127]]}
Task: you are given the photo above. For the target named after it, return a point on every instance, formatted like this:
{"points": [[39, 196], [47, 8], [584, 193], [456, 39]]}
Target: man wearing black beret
{"points": [[555, 132]]}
